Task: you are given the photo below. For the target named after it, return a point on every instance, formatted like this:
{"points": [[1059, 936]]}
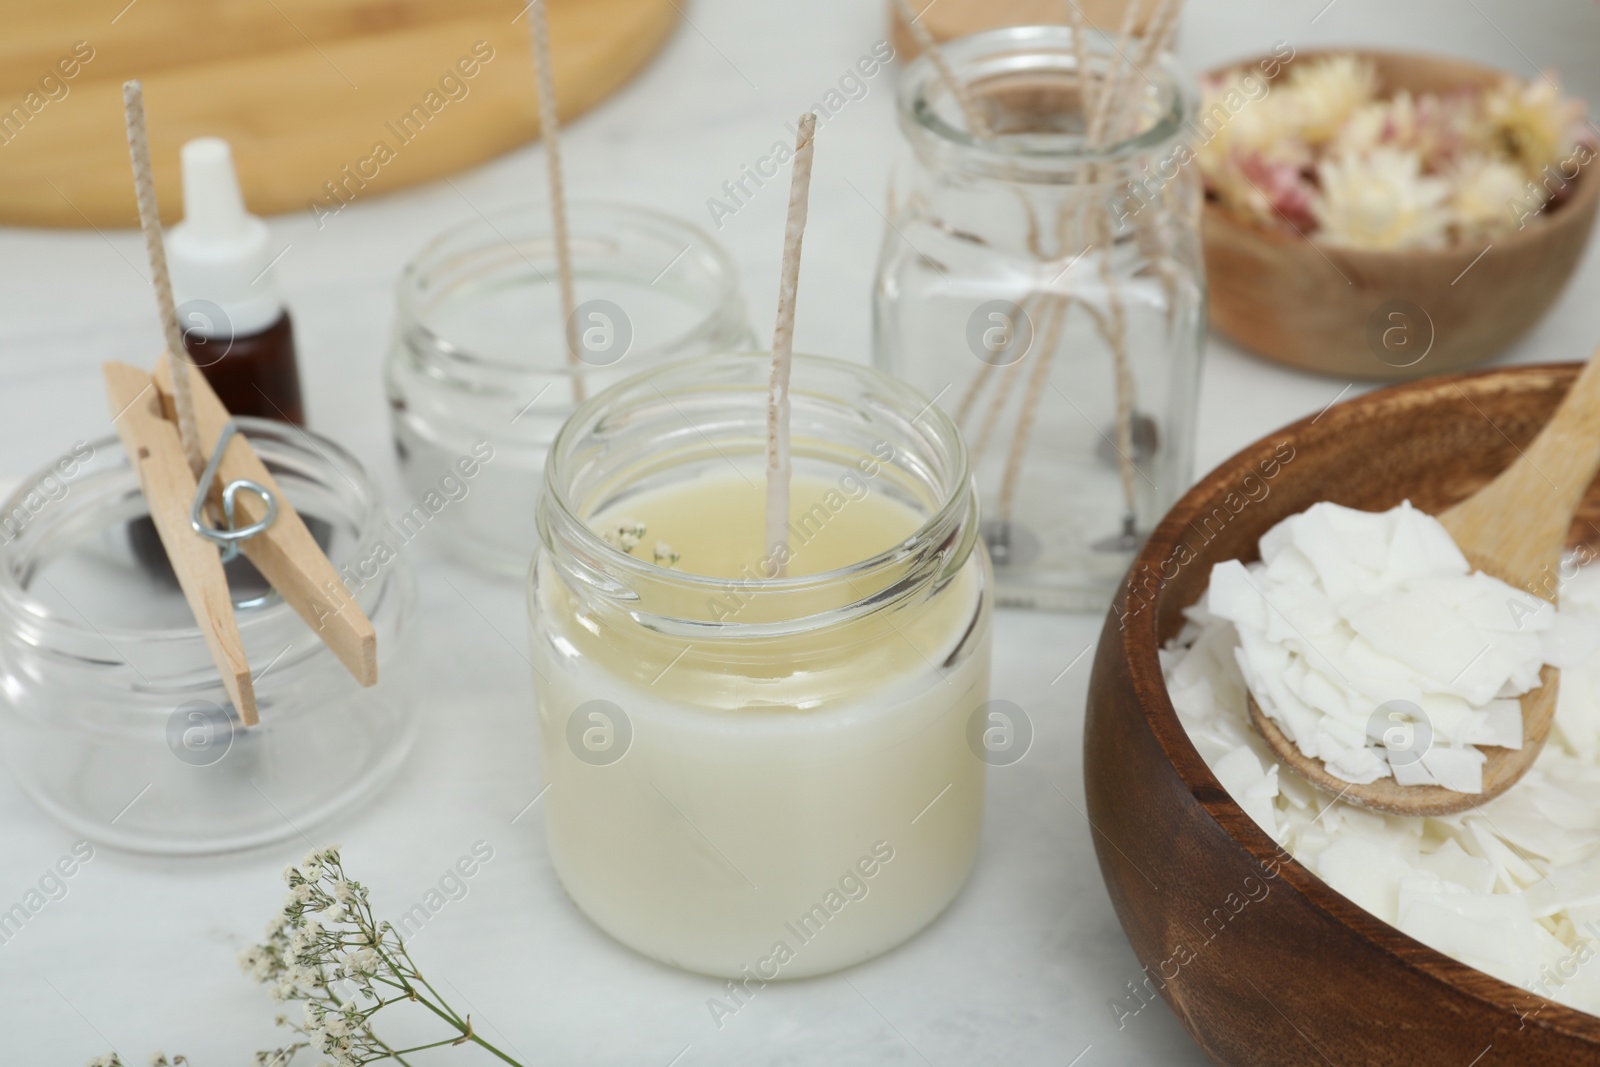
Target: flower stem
{"points": [[473, 1037]]}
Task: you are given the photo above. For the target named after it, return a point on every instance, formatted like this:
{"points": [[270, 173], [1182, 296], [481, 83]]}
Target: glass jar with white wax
{"points": [[760, 764], [479, 379]]}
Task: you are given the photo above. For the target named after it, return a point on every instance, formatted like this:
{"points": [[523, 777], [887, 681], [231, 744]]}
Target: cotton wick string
{"points": [[957, 88], [549, 131], [1054, 319], [1113, 83], [1105, 113], [1080, 56], [144, 187], [1159, 28], [779, 467]]}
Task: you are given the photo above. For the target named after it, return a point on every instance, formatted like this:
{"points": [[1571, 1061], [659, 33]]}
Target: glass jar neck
{"points": [[84, 577], [1026, 84], [468, 303], [852, 426]]}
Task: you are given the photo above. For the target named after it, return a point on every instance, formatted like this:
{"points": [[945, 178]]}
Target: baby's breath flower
{"points": [[325, 935], [626, 534], [1380, 201], [363, 962]]}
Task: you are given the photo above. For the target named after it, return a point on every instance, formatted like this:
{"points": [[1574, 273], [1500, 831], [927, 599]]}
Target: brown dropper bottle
{"points": [[235, 325]]}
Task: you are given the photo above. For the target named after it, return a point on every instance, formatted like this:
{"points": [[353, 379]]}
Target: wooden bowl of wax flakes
{"points": [[1262, 962]]}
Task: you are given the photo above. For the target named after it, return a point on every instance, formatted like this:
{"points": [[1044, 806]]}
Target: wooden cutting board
{"points": [[949, 19], [324, 101]]}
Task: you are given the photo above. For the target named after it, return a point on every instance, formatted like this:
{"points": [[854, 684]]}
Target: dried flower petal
{"points": [[1488, 196], [1381, 201], [1532, 123], [1324, 93]]}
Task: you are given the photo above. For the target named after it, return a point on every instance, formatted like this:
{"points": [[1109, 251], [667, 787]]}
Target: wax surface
{"points": [[716, 523]]}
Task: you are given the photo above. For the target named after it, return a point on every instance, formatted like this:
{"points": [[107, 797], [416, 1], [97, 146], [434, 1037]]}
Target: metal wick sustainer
{"points": [[231, 537]]}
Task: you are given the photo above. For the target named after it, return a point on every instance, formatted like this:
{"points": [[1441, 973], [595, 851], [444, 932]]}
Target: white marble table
{"points": [[1021, 970]]}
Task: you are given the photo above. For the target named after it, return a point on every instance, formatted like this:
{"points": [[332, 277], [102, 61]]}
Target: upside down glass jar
{"points": [[1048, 289], [479, 374], [752, 773], [112, 716]]}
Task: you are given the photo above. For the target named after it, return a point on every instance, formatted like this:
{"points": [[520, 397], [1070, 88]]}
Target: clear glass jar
{"points": [[1051, 295], [734, 765], [479, 372], [112, 715]]}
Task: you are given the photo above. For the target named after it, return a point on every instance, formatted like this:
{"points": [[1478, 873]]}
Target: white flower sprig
{"points": [[326, 948]]}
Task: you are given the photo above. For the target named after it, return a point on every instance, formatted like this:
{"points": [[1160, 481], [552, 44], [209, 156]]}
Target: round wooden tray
{"points": [[324, 101], [949, 19]]}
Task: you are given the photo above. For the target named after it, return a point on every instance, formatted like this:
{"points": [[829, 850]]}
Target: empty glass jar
{"points": [[479, 378], [112, 716], [1043, 280]]}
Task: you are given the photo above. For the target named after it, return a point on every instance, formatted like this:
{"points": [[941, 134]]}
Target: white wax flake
{"points": [[1355, 617], [1513, 887], [1366, 872], [1571, 641], [1451, 863], [1422, 633], [1460, 769], [1241, 774]]}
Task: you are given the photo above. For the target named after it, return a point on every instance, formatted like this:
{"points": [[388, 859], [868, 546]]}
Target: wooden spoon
{"points": [[1514, 529]]}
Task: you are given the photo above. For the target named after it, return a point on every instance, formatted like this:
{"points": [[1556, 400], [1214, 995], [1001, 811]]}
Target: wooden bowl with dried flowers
{"points": [[1384, 215]]}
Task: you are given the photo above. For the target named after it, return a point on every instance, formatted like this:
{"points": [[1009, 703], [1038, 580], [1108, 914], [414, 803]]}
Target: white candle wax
{"points": [[763, 806]]}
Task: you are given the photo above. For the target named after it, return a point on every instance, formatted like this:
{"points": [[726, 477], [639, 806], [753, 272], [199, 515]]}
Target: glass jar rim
{"points": [[17, 603], [951, 524], [412, 315], [990, 53]]}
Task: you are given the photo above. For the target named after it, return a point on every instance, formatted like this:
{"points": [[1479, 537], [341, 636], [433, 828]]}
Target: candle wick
{"points": [[779, 466], [549, 132], [144, 187]]}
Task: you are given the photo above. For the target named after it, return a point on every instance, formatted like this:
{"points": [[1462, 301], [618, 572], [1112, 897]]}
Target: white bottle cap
{"points": [[219, 255]]}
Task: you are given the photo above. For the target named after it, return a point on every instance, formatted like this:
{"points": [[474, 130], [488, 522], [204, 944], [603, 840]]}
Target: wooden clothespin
{"points": [[169, 423], [156, 453], [285, 553]]}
